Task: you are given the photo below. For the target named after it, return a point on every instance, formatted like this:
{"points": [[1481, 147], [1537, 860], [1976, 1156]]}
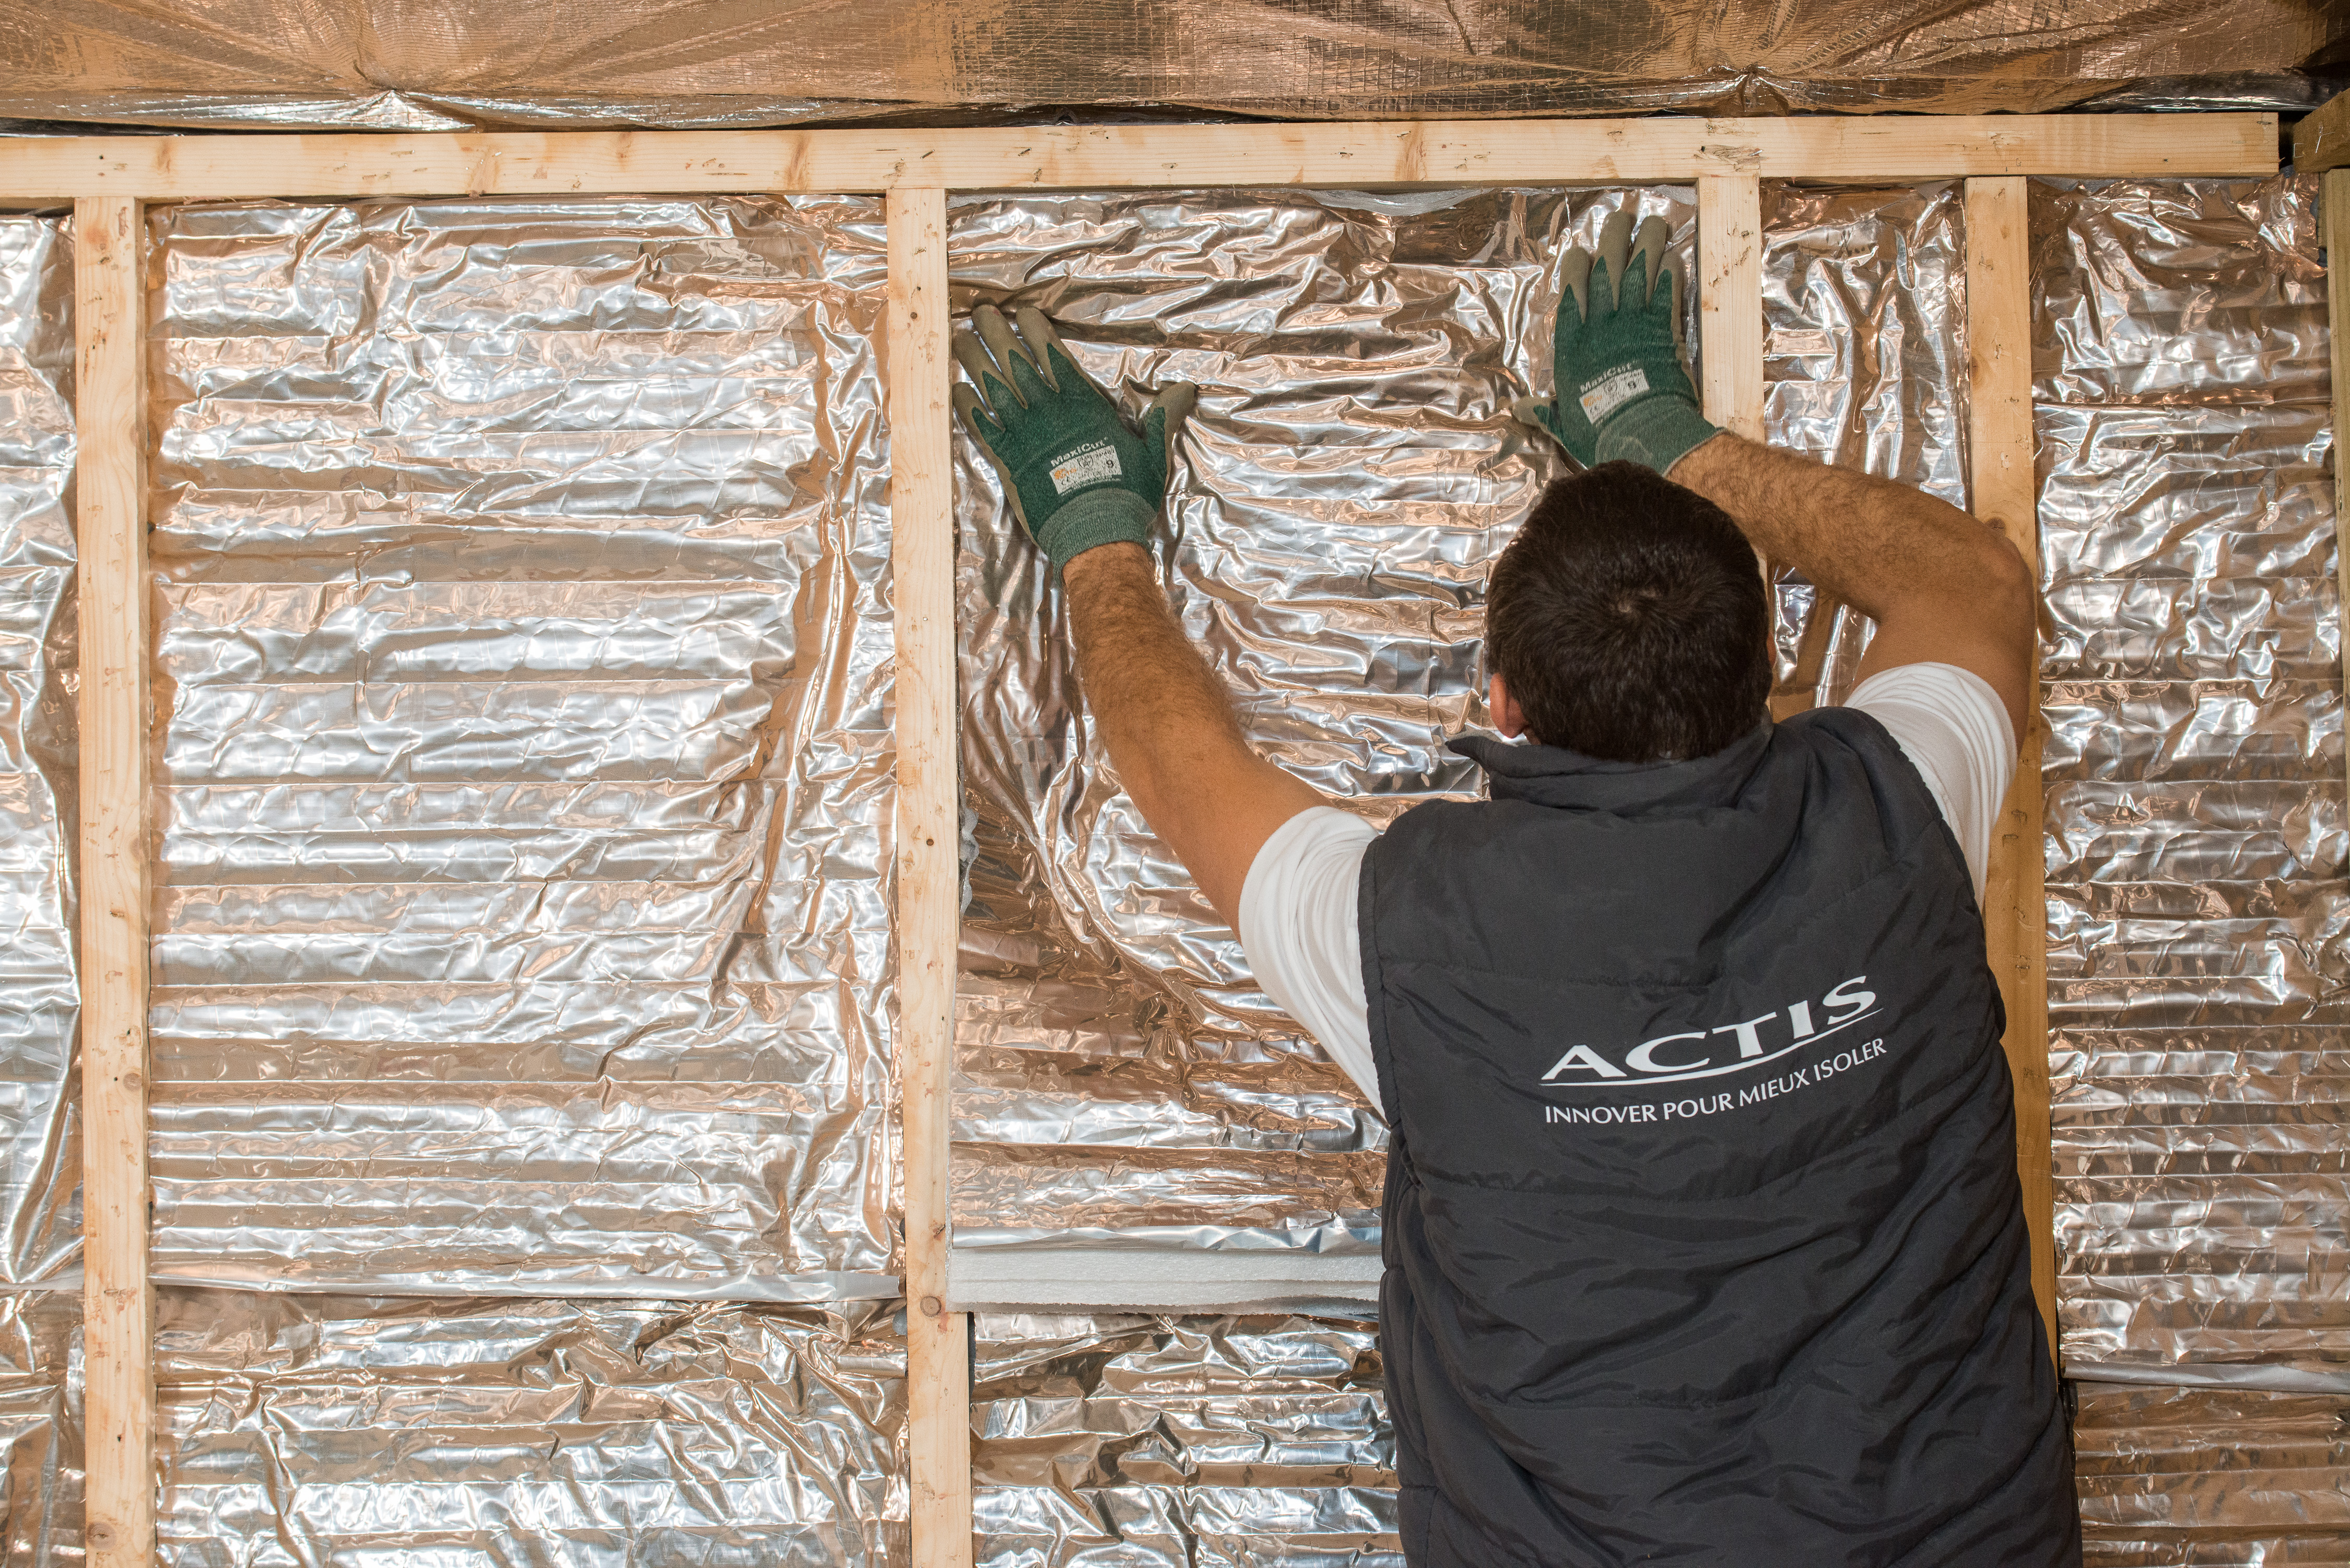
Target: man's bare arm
{"points": [[1942, 586], [1169, 725]]}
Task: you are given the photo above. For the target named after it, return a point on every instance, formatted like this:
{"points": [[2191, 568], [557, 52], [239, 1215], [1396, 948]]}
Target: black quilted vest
{"points": [[1704, 1243]]}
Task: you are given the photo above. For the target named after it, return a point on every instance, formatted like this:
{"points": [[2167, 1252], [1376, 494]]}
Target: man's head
{"points": [[1627, 620]]}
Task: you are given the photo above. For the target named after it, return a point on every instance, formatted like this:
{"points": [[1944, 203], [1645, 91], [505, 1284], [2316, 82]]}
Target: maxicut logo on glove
{"points": [[1086, 465], [1612, 391], [1710, 1053]]}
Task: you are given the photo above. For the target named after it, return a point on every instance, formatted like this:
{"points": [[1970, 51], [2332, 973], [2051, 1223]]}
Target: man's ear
{"points": [[1506, 716]]}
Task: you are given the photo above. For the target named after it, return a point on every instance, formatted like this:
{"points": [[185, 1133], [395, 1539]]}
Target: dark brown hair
{"points": [[1629, 619]]}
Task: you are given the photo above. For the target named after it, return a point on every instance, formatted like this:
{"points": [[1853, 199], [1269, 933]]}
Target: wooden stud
{"points": [[109, 480], [1107, 157], [2333, 215], [923, 559], [1730, 307], [2322, 141], [2006, 494], [1730, 300]]}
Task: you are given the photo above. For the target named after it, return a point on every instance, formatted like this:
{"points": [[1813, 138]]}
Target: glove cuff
{"points": [[1109, 516], [1655, 432]]}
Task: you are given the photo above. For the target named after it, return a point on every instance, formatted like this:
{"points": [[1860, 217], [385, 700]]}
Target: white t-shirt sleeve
{"points": [[1300, 924], [1955, 731], [1300, 930]]}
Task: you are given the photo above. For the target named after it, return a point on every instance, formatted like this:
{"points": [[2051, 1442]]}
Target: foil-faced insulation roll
{"points": [[41, 1448], [384, 65], [1865, 367], [297, 1430], [2199, 968], [1191, 1442], [525, 771], [1349, 474], [40, 983], [2212, 1478]]}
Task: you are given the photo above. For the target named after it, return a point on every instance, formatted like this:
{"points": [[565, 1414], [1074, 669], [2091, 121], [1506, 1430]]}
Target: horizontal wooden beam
{"points": [[1108, 157]]}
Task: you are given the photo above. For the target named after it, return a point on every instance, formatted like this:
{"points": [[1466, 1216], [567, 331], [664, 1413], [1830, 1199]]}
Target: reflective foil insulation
{"points": [[393, 64], [2194, 771], [2192, 692], [525, 778], [40, 983], [1195, 1442], [1864, 303], [524, 1140], [299, 1429], [40, 986], [526, 784]]}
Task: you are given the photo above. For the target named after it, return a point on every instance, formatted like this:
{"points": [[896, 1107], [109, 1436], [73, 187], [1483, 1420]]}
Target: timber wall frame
{"points": [[108, 180]]}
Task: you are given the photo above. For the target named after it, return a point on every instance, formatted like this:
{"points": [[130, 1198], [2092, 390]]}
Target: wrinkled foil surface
{"points": [[2196, 837], [1192, 1442], [40, 988], [2212, 1478], [40, 984], [393, 64], [522, 666], [2192, 688], [300, 1430], [1865, 367], [41, 1427]]}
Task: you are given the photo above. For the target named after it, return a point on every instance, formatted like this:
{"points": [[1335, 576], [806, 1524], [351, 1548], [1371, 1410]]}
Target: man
{"points": [[1703, 1238]]}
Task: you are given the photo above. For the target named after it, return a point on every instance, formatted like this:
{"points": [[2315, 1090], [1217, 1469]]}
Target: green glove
{"points": [[1077, 477], [1622, 391]]}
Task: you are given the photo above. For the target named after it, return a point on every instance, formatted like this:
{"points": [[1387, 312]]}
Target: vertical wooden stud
{"points": [[1730, 300], [109, 480], [922, 557], [2006, 494], [1729, 308]]}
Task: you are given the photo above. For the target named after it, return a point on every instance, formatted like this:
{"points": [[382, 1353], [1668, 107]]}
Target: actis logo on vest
{"points": [[1710, 1053]]}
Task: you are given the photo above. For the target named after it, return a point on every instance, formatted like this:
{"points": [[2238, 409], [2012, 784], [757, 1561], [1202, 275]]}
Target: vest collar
{"points": [[1552, 775]]}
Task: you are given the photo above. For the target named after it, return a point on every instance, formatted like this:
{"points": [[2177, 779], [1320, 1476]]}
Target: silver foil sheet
{"points": [[1865, 367], [2198, 932], [2205, 1478], [389, 64], [1191, 1442], [524, 772], [40, 1428], [1350, 471], [40, 988], [302, 1429]]}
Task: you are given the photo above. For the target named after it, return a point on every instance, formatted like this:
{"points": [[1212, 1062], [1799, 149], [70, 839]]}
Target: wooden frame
{"points": [[108, 178]]}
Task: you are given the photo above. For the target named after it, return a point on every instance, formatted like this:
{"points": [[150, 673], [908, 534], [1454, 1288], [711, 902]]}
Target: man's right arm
{"points": [[1942, 588]]}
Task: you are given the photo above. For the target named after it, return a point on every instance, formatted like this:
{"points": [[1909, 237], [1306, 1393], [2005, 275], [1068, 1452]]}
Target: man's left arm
{"points": [[1086, 486], [1170, 726]]}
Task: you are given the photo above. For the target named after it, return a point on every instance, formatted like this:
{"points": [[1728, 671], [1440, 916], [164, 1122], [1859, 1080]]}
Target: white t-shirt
{"points": [[1298, 915]]}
